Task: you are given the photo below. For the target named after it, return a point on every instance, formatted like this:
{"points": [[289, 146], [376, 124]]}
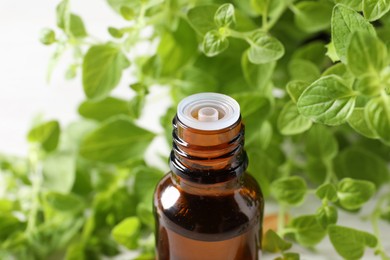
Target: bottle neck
{"points": [[208, 157]]}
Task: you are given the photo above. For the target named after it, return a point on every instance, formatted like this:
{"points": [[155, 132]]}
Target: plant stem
{"points": [[281, 219], [36, 180], [374, 222]]}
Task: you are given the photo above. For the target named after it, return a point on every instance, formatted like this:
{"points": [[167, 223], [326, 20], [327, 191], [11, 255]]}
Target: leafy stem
{"points": [[36, 180], [375, 215]]}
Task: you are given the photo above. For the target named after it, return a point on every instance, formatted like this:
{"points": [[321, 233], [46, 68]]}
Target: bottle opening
{"points": [[208, 111]]}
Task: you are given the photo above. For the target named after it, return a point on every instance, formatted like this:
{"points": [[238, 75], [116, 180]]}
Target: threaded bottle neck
{"points": [[208, 156]]}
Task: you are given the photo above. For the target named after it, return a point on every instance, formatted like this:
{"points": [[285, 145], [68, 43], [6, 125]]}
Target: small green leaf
{"points": [[63, 14], [46, 134], [135, 105], [344, 22], [377, 115], [316, 169], [264, 48], [103, 109], [114, 32], [358, 163], [59, 172], [214, 43], [303, 70], [290, 190], [290, 122], [368, 84], [127, 13], [312, 16], [358, 122], [290, 256], [321, 143], [116, 140], [328, 101], [295, 89], [67, 203], [350, 243], [307, 231], [257, 76], [365, 53], [327, 215], [224, 16], [201, 18], [102, 70], [47, 36], [77, 28], [354, 4], [375, 9], [327, 191], [127, 232], [353, 194], [274, 243]]}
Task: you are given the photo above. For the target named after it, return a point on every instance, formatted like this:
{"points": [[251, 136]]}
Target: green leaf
{"points": [[327, 191], [344, 22], [312, 16], [358, 122], [328, 101], [59, 172], [321, 143], [327, 215], [307, 231], [375, 9], [115, 141], [201, 18], [176, 49], [295, 89], [316, 169], [224, 16], [46, 134], [314, 51], [77, 28], [274, 243], [47, 36], [146, 179], [127, 232], [127, 13], [377, 115], [63, 14], [354, 4], [303, 70], [257, 76], [114, 32], [135, 106], [365, 54], [353, 194], [67, 203], [290, 122], [214, 43], [368, 84], [289, 190], [350, 243], [8, 225], [290, 256], [103, 109], [264, 48], [102, 70], [358, 163]]}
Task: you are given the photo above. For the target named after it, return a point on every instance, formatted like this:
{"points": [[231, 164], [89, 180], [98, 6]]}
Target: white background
{"points": [[24, 92]]}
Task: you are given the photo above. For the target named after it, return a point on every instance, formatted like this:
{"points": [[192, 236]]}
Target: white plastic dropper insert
{"points": [[208, 111]]}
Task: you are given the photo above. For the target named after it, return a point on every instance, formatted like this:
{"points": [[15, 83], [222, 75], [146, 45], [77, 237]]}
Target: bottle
{"points": [[207, 207]]}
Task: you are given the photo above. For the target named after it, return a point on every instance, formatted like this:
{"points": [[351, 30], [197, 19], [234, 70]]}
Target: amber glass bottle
{"points": [[207, 207]]}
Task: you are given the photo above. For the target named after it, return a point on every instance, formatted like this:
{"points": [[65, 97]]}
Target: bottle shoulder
{"points": [[233, 212]]}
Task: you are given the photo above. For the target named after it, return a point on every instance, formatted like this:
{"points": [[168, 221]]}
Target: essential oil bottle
{"points": [[207, 207]]}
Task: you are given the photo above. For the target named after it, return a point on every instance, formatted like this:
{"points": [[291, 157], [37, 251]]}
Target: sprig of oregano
{"points": [[295, 67]]}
